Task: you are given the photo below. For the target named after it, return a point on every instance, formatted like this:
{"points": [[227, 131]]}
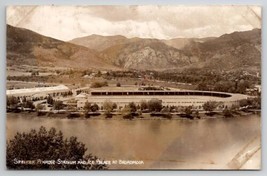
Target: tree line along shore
{"points": [[144, 110]]}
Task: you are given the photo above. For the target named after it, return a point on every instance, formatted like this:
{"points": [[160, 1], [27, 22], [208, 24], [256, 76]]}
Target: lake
{"points": [[159, 144]]}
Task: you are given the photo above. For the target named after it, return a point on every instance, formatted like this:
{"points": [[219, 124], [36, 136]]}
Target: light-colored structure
{"points": [[81, 96], [38, 91], [169, 98]]}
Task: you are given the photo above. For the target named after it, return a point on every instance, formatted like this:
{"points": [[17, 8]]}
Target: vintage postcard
{"points": [[133, 87]]}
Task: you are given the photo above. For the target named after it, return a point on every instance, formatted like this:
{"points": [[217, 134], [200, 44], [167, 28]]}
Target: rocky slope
{"points": [[229, 51], [143, 54]]}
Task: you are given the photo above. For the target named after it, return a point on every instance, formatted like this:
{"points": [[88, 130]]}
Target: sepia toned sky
{"points": [[162, 22]]}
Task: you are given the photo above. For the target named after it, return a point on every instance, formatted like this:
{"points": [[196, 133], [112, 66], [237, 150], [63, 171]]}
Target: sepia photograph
{"points": [[133, 87]]}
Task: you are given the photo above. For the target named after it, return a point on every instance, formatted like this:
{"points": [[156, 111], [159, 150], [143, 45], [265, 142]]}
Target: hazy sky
{"points": [[163, 22]]}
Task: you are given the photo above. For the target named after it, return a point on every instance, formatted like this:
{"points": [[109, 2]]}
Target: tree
{"points": [[132, 107], [244, 103], [87, 106], [118, 84], [94, 107], [154, 105], [202, 86], [24, 99], [143, 104], [227, 113], [38, 108], [224, 86], [44, 145], [114, 106], [12, 102], [108, 107], [234, 107], [50, 100], [166, 112], [58, 105], [209, 106], [28, 104], [188, 111], [196, 114], [256, 102], [126, 113], [99, 84], [98, 73], [242, 86]]}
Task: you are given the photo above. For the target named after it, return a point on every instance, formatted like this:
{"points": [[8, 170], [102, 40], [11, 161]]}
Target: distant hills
{"points": [[98, 42], [180, 43], [25, 47], [229, 51]]}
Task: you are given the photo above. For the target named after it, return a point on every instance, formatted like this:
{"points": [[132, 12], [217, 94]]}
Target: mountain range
{"points": [[229, 51], [25, 47]]}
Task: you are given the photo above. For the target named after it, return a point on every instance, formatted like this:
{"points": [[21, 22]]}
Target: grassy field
{"points": [[21, 77]]}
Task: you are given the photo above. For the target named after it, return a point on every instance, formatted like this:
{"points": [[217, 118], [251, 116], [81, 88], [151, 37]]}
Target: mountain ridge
{"points": [[229, 51], [30, 48]]}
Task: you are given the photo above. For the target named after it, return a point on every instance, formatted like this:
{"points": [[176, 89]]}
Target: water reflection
{"points": [[159, 143]]}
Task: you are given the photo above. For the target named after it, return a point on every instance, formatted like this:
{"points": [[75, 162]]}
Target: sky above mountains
{"points": [[162, 22]]}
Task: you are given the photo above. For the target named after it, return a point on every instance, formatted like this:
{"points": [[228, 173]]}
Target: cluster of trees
{"points": [[65, 94], [88, 107], [210, 106], [232, 81], [50, 100], [13, 103], [109, 106], [29, 78], [35, 73], [237, 86], [130, 110], [87, 72], [122, 74], [28, 104], [57, 104], [38, 109], [47, 145], [99, 84], [155, 107], [118, 84], [254, 103], [151, 88]]}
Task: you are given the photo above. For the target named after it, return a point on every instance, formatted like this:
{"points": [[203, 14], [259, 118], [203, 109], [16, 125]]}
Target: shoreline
{"points": [[145, 116]]}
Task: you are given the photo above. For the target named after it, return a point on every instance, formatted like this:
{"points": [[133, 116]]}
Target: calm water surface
{"points": [[169, 144]]}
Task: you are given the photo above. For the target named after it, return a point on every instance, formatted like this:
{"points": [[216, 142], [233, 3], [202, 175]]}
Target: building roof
{"points": [[207, 95], [36, 90], [82, 95]]}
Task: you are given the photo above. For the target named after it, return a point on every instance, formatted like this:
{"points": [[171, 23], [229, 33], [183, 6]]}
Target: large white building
{"points": [[37, 91], [169, 97]]}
